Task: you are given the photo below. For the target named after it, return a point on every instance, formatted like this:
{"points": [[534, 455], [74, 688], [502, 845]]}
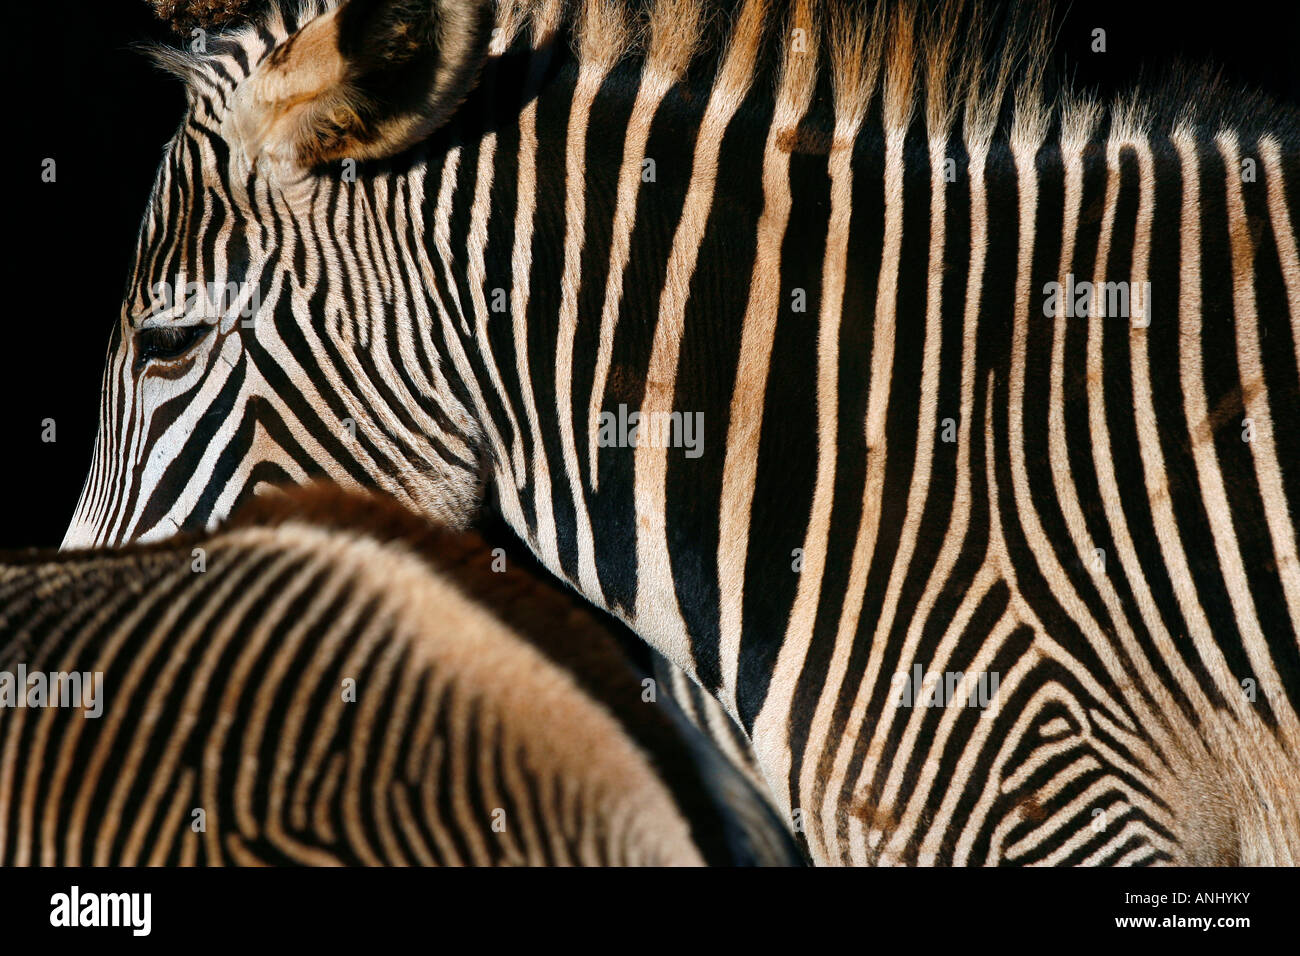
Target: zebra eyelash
{"points": [[162, 343]]}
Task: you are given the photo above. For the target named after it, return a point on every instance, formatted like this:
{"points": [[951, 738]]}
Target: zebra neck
{"points": [[927, 359]]}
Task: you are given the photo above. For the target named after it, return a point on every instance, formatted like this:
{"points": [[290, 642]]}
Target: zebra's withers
{"points": [[329, 680]]}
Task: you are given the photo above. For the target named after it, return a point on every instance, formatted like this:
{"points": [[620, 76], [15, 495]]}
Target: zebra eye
{"points": [[164, 342]]}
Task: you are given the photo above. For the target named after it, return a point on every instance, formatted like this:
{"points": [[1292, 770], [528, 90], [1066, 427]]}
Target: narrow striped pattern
{"points": [[322, 687], [985, 380]]}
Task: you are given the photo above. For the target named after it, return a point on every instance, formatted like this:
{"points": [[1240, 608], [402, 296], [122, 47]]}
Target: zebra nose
{"points": [[80, 535]]}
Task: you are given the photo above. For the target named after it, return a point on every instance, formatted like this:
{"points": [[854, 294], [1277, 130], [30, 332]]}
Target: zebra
{"points": [[330, 680], [861, 244]]}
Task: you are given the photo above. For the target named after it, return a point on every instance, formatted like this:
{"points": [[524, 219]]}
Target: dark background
{"points": [[81, 96]]}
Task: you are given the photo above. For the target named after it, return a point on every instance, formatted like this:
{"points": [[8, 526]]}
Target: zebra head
{"points": [[255, 346]]}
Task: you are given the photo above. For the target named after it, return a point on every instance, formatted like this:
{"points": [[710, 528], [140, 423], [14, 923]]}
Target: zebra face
{"points": [[257, 343]]}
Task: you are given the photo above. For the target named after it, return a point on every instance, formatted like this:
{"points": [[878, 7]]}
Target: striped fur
{"points": [[921, 467], [489, 720]]}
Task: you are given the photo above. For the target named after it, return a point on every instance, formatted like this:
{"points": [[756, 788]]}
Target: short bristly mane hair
{"points": [[977, 68]]}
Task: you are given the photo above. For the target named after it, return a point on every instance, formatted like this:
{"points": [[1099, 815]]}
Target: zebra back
{"points": [[327, 680]]}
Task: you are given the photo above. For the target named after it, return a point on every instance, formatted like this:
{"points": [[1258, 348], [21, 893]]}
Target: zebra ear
{"points": [[364, 81]]}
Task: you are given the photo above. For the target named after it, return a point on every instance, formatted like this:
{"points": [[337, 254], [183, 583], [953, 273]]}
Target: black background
{"points": [[637, 911], [79, 94]]}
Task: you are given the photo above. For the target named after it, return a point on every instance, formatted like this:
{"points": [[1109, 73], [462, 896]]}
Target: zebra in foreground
{"points": [[861, 245], [330, 680]]}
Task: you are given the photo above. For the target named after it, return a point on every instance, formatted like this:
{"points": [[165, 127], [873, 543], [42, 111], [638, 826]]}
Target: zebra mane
{"points": [[553, 619], [980, 69]]}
